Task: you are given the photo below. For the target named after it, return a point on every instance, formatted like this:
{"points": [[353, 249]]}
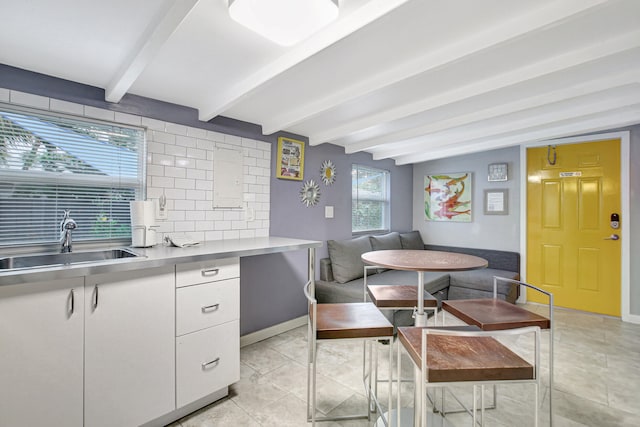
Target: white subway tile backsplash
{"points": [[204, 225], [205, 144], [213, 235], [203, 205], [174, 172], [153, 124], [196, 174], [175, 150], [183, 162], [186, 141], [195, 153], [187, 184], [155, 170], [128, 119], [231, 234], [229, 215], [232, 139], [196, 195], [155, 147], [28, 100], [161, 159], [204, 185], [196, 132], [163, 182], [176, 129], [204, 164], [175, 194], [195, 215], [181, 226], [216, 215], [239, 225], [247, 234], [66, 107], [222, 225], [165, 138], [4, 95], [99, 113], [246, 142], [176, 215], [215, 136]]}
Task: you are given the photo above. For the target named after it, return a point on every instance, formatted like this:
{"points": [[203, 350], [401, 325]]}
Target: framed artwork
{"points": [[498, 172], [448, 197], [290, 159], [496, 202]]}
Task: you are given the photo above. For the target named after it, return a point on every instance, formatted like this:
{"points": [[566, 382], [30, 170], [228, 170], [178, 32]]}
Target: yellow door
{"points": [[570, 248]]}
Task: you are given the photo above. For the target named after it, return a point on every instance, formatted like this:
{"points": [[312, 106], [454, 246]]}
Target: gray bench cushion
{"points": [[482, 280], [411, 240], [332, 292], [345, 257], [385, 242]]}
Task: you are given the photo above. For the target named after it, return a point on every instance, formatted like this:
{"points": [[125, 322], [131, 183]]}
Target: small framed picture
{"points": [[290, 159], [496, 202], [498, 172]]}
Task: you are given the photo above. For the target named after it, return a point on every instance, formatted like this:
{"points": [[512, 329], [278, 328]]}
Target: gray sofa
{"points": [[342, 274]]}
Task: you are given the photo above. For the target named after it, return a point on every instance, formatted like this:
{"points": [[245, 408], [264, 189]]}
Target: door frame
{"points": [[625, 137]]}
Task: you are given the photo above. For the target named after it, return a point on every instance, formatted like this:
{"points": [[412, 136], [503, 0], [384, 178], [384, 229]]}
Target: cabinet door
{"points": [[41, 333], [129, 347]]}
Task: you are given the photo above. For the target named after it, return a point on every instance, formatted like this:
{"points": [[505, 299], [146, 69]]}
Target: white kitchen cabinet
{"points": [[208, 328], [129, 374], [41, 353]]}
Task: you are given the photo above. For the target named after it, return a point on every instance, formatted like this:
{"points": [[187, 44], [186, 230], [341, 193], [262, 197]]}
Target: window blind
{"points": [[51, 163], [370, 198]]}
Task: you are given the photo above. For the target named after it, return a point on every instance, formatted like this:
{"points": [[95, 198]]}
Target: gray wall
{"points": [[484, 231], [503, 232], [284, 274]]}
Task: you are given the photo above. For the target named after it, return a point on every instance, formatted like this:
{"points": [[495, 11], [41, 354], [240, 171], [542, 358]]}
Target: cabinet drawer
{"points": [[207, 361], [209, 304], [207, 271]]}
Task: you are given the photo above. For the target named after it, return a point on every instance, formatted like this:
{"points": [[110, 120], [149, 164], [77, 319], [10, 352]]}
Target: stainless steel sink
{"points": [[57, 259]]}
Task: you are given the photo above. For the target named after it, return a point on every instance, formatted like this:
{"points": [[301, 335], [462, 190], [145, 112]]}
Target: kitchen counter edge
{"points": [[159, 256]]}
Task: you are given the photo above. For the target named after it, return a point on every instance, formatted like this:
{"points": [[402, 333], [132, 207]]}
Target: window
{"points": [[49, 164], [369, 199]]}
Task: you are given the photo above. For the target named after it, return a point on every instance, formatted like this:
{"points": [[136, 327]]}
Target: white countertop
{"points": [[160, 255]]}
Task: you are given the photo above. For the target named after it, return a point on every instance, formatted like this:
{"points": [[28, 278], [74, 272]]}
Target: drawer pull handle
{"points": [[212, 364], [210, 308], [72, 298], [210, 272]]}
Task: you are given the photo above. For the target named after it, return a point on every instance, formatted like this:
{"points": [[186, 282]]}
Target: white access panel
{"points": [[227, 178]]}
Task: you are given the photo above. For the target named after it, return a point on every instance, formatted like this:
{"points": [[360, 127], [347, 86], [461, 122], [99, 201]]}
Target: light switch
{"points": [[328, 211]]}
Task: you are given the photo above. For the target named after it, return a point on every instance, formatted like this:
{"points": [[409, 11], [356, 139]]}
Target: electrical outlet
{"points": [[161, 208]]}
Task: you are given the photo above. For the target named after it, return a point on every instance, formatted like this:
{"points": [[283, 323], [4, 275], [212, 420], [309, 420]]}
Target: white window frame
{"points": [[58, 184], [358, 195]]}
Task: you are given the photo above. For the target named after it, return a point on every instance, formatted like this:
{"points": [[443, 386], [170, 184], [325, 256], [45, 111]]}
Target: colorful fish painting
{"points": [[448, 197]]}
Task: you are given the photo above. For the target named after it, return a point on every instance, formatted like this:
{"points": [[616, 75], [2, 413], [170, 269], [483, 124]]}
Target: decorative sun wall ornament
{"points": [[310, 193], [328, 172]]}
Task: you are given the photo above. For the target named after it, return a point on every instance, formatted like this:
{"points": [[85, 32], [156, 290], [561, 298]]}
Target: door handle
{"points": [[612, 237]]}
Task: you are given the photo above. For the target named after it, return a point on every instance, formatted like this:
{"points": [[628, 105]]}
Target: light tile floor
{"points": [[596, 382]]}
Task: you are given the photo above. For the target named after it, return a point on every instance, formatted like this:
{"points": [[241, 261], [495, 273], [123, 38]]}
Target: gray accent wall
{"points": [[286, 273], [484, 231]]}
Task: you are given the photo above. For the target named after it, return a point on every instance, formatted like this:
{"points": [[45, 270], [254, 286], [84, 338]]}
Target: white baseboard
{"points": [[631, 318], [272, 331]]}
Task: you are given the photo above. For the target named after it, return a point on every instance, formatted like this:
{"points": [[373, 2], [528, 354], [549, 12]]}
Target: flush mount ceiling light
{"points": [[285, 22]]}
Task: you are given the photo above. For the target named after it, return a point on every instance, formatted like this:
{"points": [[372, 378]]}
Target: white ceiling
{"points": [[409, 80]]}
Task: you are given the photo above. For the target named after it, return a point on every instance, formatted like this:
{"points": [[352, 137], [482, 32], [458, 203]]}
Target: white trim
{"points": [[625, 277], [272, 331]]}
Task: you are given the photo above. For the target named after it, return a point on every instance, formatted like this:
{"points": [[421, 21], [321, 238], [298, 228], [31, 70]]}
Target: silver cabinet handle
{"points": [[212, 364], [612, 237], [210, 272], [210, 308], [72, 302], [95, 297]]}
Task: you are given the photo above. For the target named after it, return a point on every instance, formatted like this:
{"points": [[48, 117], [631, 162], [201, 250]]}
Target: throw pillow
{"points": [[386, 241], [411, 240], [345, 258]]}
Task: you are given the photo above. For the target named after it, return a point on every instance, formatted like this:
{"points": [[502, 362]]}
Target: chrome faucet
{"points": [[66, 227]]}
